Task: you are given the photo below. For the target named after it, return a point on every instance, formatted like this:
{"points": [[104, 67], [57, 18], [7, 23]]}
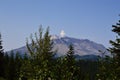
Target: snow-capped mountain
{"points": [[82, 47]]}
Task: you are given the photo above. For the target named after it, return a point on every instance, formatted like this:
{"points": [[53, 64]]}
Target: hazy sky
{"points": [[83, 19]]}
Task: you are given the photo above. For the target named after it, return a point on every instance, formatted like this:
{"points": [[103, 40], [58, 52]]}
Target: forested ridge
{"points": [[41, 63]]}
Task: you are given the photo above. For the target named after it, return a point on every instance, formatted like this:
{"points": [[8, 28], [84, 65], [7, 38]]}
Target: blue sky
{"points": [[83, 19]]}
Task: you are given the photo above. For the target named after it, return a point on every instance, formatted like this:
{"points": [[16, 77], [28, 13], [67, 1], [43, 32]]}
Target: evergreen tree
{"points": [[1, 58], [1, 47], [106, 69], [109, 68], [39, 64], [11, 67], [6, 62], [115, 50], [116, 44], [70, 53], [69, 64], [18, 63], [70, 56]]}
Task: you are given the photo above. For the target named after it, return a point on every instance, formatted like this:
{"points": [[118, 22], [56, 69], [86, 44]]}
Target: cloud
{"points": [[62, 33]]}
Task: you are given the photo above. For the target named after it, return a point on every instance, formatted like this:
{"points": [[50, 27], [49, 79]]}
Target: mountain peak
{"points": [[54, 37]]}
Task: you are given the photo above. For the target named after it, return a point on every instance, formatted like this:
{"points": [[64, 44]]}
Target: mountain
{"points": [[82, 47]]}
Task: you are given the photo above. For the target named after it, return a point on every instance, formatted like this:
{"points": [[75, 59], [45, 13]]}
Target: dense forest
{"points": [[41, 63]]}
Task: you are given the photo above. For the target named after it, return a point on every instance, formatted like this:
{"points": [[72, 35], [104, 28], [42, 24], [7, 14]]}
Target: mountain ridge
{"points": [[82, 47]]}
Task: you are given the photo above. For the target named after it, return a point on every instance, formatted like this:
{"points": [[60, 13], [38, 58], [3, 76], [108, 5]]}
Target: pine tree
{"points": [[70, 53], [116, 44], [18, 63], [1, 58], [115, 50], [6, 62], [69, 64], [1, 47], [39, 64], [11, 67], [109, 67]]}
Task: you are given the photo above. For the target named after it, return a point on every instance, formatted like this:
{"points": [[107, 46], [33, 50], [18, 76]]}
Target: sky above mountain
{"points": [[83, 19]]}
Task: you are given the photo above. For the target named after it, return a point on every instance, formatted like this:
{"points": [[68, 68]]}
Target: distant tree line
{"points": [[41, 63]]}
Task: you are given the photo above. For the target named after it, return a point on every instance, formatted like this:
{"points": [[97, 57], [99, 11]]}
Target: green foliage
{"points": [[9, 65], [115, 50], [70, 64], [106, 69], [109, 67], [41, 57], [40, 63], [12, 66]]}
